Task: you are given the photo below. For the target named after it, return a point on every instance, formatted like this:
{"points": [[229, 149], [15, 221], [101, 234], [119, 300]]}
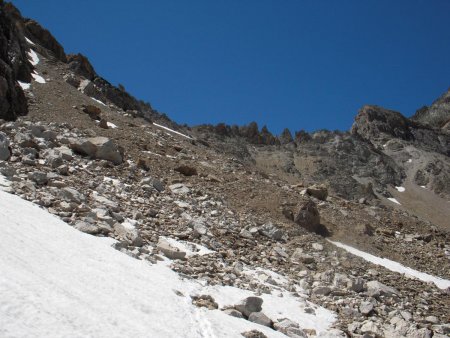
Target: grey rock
{"points": [[260, 318], [98, 148], [170, 251], [366, 308], [308, 216], [71, 195], [39, 177], [289, 328], [4, 147], [272, 231], [92, 229], [126, 231], [249, 305], [233, 313], [376, 289], [253, 334], [321, 290], [179, 188]]}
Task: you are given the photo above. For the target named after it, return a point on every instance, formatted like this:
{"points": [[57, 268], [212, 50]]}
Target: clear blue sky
{"points": [[301, 64]]}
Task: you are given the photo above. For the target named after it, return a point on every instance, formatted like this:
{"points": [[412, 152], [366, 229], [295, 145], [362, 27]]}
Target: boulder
{"points": [[5, 152], [233, 313], [179, 188], [127, 232], [170, 251], [272, 231], [71, 195], [376, 289], [253, 334], [308, 216], [260, 318], [99, 147], [249, 305], [318, 191], [186, 170], [94, 112], [289, 328], [39, 177]]}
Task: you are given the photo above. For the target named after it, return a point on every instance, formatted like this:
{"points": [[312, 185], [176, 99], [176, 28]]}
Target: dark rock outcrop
{"points": [[44, 38], [14, 65]]}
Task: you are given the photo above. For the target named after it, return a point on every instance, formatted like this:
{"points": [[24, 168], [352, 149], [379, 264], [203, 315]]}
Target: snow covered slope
{"points": [[58, 282]]}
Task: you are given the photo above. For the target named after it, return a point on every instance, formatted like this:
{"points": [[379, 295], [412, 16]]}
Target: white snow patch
{"points": [[395, 266], [24, 85], [278, 306], [191, 249], [57, 280], [29, 41], [33, 58], [410, 160], [422, 186], [111, 125], [400, 189], [392, 199], [83, 85], [38, 78], [172, 131], [151, 153], [98, 101]]}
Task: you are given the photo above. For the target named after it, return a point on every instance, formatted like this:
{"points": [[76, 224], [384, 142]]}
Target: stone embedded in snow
{"points": [[92, 229], [253, 334], [170, 251], [4, 147], [289, 328], [98, 148], [179, 188], [260, 318], [249, 305], [233, 313], [126, 231], [205, 301], [376, 289]]}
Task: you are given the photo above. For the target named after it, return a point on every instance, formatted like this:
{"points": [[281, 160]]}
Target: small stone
{"points": [[233, 313]]}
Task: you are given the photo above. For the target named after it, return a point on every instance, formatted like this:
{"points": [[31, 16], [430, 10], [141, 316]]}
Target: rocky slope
{"points": [[263, 206]]}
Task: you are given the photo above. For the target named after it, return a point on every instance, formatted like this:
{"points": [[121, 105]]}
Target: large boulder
{"points": [[249, 305], [5, 152], [99, 147], [308, 216]]}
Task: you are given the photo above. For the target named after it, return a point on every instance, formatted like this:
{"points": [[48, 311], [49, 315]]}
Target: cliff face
{"points": [[14, 65]]}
